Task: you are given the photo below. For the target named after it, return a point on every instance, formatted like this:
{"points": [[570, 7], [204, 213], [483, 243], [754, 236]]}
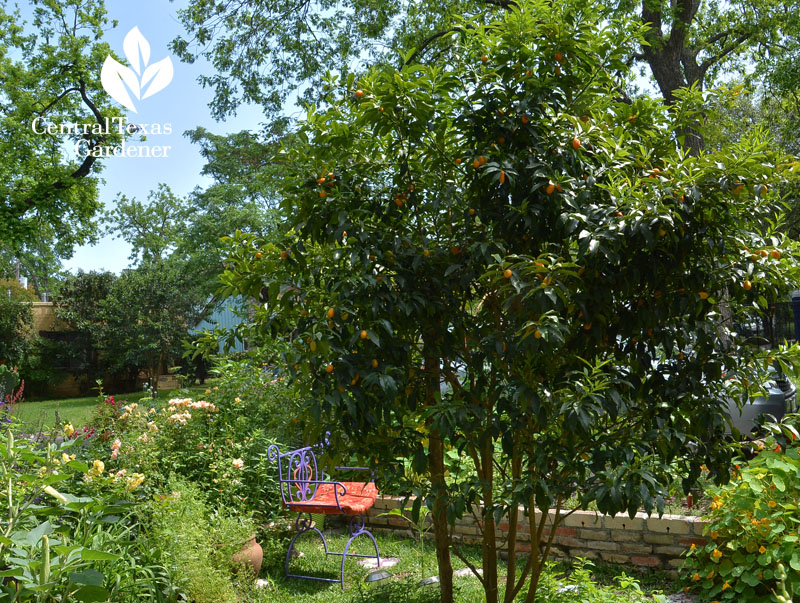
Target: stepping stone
{"points": [[463, 573], [385, 562]]}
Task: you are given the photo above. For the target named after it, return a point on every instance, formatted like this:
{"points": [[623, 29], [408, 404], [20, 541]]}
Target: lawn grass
{"points": [[79, 411], [403, 586]]}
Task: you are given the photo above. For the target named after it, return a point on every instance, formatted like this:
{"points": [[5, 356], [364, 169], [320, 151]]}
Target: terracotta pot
{"points": [[250, 554]]}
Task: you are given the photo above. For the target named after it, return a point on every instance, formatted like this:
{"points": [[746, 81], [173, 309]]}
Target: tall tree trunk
{"points": [[513, 518], [489, 526], [671, 62], [441, 529]]}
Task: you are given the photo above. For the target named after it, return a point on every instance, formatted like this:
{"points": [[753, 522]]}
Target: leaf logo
{"points": [[143, 80]]}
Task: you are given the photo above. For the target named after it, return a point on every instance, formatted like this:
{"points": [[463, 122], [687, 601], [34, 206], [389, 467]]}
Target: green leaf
{"points": [[89, 576], [17, 571], [91, 593], [35, 535], [795, 561], [92, 555]]}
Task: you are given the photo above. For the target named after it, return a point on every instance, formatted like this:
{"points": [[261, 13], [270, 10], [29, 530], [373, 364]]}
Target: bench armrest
{"points": [[339, 490]]}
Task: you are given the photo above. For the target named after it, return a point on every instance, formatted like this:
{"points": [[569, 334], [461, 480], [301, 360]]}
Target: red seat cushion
{"points": [[359, 499]]}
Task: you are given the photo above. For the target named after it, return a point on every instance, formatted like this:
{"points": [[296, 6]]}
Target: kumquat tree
{"points": [[508, 287]]}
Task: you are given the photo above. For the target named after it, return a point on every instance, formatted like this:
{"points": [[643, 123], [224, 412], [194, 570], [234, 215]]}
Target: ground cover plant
{"points": [[503, 260], [752, 553], [69, 530]]}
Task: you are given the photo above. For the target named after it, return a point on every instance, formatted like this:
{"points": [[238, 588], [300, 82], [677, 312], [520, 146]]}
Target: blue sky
{"points": [[183, 103]]}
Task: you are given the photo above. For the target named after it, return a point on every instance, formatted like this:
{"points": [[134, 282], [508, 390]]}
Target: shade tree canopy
{"points": [[267, 50], [51, 79]]}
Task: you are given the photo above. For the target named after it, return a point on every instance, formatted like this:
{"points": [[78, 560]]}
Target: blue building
{"points": [[228, 315]]}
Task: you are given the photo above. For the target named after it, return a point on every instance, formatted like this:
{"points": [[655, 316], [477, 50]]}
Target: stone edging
{"points": [[648, 542]]}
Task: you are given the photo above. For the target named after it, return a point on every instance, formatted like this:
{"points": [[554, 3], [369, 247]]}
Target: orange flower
{"points": [[693, 547], [716, 554], [772, 504], [696, 577], [710, 574], [726, 585], [714, 535], [762, 549]]}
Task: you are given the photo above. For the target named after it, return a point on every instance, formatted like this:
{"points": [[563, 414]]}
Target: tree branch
{"points": [[55, 101], [506, 4], [705, 65], [469, 564], [429, 40], [653, 17], [88, 161]]}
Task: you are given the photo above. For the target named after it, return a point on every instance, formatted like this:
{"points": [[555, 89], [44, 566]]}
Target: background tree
{"points": [[153, 229], [50, 72], [188, 229], [146, 317], [264, 51], [130, 323], [16, 322], [39, 259], [504, 258], [80, 305]]}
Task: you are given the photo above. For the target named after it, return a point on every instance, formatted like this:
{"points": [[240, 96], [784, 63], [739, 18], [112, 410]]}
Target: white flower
{"points": [[238, 463]]}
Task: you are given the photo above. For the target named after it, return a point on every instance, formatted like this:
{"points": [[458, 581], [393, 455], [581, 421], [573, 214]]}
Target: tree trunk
{"points": [[671, 62], [489, 530], [441, 530], [489, 527], [513, 518]]}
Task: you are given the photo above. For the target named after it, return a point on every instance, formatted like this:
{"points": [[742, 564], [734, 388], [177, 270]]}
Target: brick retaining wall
{"points": [[642, 541]]}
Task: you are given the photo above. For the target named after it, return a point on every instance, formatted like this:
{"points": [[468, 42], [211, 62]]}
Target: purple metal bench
{"points": [[303, 493]]}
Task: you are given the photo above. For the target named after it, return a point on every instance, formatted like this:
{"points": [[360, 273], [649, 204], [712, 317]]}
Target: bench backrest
{"points": [[296, 471]]}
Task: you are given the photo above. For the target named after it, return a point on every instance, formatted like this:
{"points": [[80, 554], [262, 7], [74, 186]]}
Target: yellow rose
{"points": [[134, 481], [69, 429]]}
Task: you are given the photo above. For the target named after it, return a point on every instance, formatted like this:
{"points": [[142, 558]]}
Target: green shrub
{"points": [[198, 544], [251, 396], [753, 526]]}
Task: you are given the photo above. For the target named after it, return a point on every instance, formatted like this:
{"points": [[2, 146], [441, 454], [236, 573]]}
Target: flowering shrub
{"points": [[187, 438], [753, 527]]}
